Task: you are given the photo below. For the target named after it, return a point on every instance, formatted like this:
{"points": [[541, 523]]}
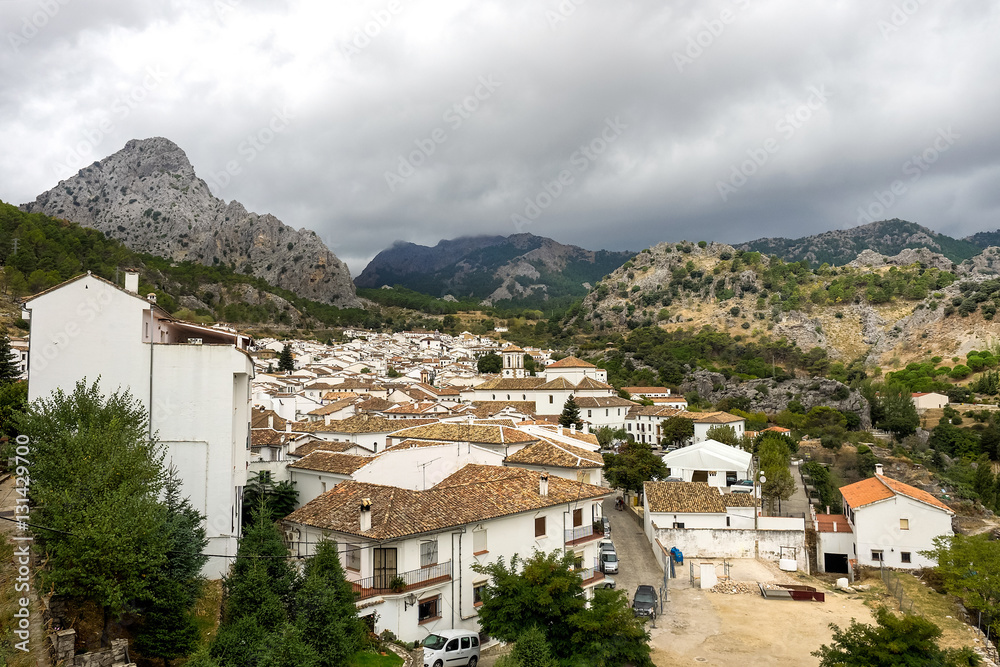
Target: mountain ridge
{"points": [[148, 196], [520, 267]]}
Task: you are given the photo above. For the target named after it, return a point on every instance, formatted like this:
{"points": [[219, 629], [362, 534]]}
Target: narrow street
{"points": [[637, 564]]}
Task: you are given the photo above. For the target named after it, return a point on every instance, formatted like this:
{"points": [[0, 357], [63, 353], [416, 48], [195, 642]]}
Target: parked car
{"points": [[609, 562], [605, 545], [606, 524], [742, 486], [644, 602], [607, 582], [446, 648]]}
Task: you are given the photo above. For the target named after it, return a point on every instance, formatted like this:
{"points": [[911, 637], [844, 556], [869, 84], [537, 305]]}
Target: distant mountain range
{"points": [[148, 196], [521, 268], [887, 237]]}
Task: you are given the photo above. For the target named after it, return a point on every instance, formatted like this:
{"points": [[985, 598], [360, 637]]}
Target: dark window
{"points": [[540, 526], [452, 645], [678, 524], [577, 518], [904, 556], [477, 593], [877, 554], [475, 642], [428, 609], [465, 643]]}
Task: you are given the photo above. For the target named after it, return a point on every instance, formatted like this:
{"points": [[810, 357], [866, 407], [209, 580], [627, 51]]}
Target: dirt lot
{"points": [[701, 627]]}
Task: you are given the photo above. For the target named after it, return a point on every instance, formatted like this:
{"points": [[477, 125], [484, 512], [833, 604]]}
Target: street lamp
{"points": [[409, 601]]}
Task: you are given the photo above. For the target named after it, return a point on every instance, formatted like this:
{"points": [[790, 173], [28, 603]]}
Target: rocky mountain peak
{"points": [[148, 196]]}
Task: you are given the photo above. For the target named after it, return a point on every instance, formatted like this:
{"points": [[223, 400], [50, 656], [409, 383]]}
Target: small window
{"points": [[679, 524], [540, 527], [727, 522], [465, 643], [588, 414], [905, 556], [352, 556], [428, 609], [477, 593], [550, 398], [475, 641], [578, 560], [479, 542], [428, 553], [452, 645], [877, 555], [577, 517], [904, 524]]}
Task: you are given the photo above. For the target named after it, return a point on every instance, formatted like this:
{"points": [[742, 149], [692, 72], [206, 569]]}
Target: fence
{"points": [[895, 589]]}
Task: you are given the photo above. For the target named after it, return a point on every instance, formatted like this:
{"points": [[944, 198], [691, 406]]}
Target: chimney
{"points": [[559, 429], [270, 421], [151, 297], [366, 515], [572, 429], [288, 426], [878, 469], [586, 427], [132, 281], [543, 484]]}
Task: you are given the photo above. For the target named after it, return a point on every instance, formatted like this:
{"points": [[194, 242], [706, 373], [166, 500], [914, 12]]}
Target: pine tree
{"points": [[570, 414], [8, 369], [325, 611], [285, 361]]}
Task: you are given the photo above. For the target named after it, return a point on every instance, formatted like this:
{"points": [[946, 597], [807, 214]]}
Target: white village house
{"points": [[408, 554], [194, 382], [891, 523]]}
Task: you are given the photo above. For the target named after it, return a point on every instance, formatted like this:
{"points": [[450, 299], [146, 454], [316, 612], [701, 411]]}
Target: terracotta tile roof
{"points": [[604, 402], [457, 432], [363, 423], [591, 383], [558, 383], [330, 408], [646, 390], [826, 522], [512, 384], [712, 417], [571, 362], [474, 493], [692, 497], [337, 395], [267, 437], [489, 408], [558, 455], [512, 348], [375, 405], [879, 487], [332, 462], [324, 445], [259, 419]]}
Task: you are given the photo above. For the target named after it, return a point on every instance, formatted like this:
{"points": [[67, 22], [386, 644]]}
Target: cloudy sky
{"points": [[604, 123]]}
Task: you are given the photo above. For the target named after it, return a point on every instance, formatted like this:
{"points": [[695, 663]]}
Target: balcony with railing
{"points": [[380, 584], [582, 535]]}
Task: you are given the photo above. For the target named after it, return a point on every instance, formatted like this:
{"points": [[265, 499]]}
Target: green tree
{"points": [[543, 592], [774, 460], [325, 612], [489, 363], [168, 629], [255, 596], [8, 369], [910, 641], [608, 634], [285, 360], [724, 434], [571, 414], [676, 430], [276, 500], [899, 413], [635, 464], [96, 475], [970, 567], [984, 481], [530, 650], [530, 367], [866, 461], [13, 399]]}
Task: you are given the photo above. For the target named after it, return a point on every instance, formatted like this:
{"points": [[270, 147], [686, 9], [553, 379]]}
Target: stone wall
{"points": [[64, 653], [734, 543]]}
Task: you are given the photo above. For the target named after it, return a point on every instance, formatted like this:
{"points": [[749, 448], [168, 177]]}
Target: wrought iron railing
{"points": [[382, 583]]}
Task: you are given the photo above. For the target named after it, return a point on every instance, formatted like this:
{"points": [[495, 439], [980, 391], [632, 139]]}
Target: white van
{"points": [[451, 648]]}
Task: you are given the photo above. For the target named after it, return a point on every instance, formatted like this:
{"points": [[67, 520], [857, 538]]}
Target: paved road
{"points": [[798, 503], [637, 564]]}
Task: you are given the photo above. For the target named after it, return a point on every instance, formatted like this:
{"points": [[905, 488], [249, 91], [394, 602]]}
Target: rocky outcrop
{"points": [[491, 268], [772, 397], [908, 256], [148, 196]]}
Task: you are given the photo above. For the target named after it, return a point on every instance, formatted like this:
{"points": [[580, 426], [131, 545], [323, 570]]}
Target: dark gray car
{"points": [[644, 602]]}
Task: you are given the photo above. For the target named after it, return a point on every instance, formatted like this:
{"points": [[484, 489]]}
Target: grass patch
{"points": [[207, 610], [939, 608], [369, 659], [10, 656]]}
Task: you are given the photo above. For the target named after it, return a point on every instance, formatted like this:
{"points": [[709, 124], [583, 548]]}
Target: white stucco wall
{"points": [[877, 526]]}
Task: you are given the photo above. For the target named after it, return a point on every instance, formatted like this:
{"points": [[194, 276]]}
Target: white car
{"points": [[450, 648]]}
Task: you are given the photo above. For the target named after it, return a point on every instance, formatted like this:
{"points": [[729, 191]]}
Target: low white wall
{"points": [[734, 543]]}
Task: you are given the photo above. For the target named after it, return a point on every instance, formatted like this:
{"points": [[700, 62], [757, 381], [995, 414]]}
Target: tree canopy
{"points": [[570, 414], [634, 464]]}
